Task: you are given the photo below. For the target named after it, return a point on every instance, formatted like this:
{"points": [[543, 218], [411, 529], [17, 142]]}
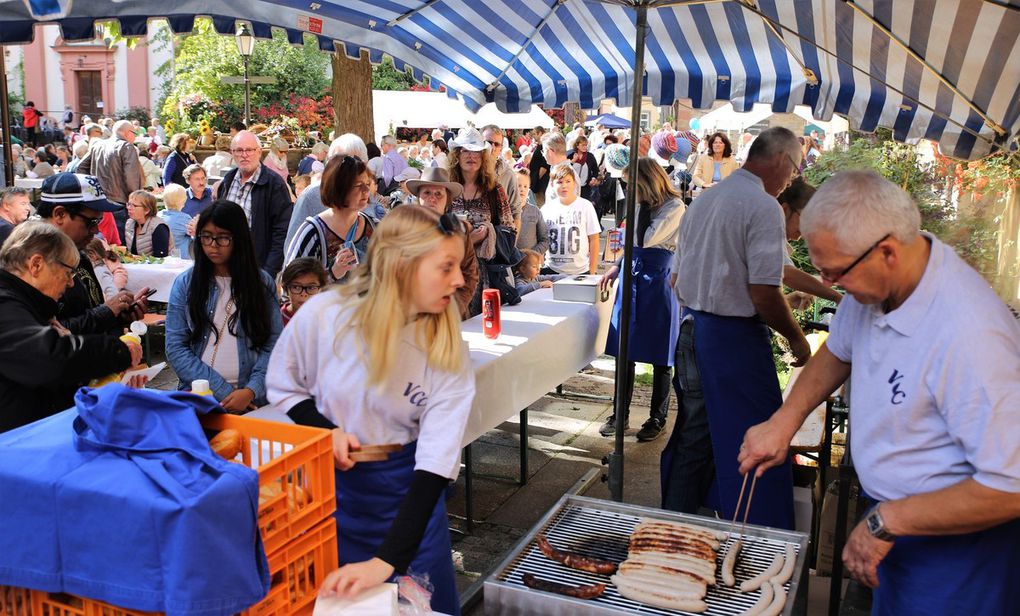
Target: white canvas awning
{"points": [[396, 109]]}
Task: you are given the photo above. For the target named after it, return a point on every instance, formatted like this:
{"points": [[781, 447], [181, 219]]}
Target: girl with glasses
{"points": [[380, 361], [337, 238], [301, 280], [223, 317]]}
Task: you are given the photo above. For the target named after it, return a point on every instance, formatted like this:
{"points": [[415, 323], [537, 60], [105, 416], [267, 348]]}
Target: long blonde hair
{"points": [[380, 292], [654, 187]]}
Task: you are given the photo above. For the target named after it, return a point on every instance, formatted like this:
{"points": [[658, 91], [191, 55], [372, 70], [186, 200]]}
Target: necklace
{"points": [[228, 311]]}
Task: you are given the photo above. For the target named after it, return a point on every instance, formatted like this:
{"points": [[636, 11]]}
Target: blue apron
{"points": [[367, 499], [741, 389], [976, 573], [654, 311]]}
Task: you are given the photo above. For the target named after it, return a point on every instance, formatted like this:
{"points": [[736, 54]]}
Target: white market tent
{"points": [[726, 118], [395, 109]]}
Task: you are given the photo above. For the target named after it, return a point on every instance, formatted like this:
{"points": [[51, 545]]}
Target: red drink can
{"points": [[490, 313]]}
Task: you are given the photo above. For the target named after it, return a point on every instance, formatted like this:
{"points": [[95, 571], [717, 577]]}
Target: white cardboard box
{"points": [[580, 288]]}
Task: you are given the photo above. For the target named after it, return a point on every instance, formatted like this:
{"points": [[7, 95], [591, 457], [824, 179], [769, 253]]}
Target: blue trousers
{"points": [[726, 383], [368, 497]]}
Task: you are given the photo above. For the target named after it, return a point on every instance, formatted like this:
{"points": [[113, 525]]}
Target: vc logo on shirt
{"points": [[898, 396], [416, 395]]}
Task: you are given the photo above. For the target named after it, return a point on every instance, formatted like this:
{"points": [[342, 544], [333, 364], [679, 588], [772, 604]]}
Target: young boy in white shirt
{"points": [[574, 226]]}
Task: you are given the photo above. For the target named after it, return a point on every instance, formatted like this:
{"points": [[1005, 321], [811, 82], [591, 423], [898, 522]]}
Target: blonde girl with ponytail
{"points": [[380, 361]]}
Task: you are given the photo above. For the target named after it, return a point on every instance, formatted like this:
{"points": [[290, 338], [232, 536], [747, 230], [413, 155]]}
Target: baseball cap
{"points": [[75, 190]]}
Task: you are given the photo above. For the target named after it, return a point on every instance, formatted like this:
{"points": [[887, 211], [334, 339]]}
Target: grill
{"points": [[602, 529]]}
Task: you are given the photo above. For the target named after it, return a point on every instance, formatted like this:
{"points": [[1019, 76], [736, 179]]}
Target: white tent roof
{"points": [[725, 118], [395, 109]]}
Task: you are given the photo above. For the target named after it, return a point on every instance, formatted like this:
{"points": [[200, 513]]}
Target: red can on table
{"points": [[490, 313]]}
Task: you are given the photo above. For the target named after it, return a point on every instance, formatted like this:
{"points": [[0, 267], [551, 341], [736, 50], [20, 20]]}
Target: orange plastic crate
{"points": [[297, 572], [57, 604], [295, 465], [15, 601]]}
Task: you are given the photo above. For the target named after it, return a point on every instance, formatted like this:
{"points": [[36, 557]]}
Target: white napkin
{"points": [[378, 601]]}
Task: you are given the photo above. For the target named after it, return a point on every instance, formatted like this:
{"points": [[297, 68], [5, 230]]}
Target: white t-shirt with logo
{"points": [[318, 356], [935, 384], [569, 228]]}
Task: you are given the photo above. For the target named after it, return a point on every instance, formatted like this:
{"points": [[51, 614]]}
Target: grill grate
{"points": [[602, 530]]}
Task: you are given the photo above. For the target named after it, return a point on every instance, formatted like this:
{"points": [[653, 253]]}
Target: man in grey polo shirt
{"points": [[729, 274], [934, 408]]}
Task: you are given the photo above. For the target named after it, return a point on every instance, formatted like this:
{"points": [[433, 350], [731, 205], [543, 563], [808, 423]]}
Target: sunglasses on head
{"points": [[449, 224]]}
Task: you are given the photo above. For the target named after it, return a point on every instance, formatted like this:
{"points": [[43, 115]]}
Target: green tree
{"points": [[203, 57], [385, 76]]}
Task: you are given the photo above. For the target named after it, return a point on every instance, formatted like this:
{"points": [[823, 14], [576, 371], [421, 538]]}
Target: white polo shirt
{"points": [[935, 384]]}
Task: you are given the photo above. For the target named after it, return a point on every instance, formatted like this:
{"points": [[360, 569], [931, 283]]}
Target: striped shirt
{"points": [[313, 239]]}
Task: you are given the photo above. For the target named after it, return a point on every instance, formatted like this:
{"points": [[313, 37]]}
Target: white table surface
{"points": [[543, 343], [28, 182], [159, 276]]}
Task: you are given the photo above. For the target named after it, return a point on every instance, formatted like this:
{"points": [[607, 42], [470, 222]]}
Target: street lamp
{"points": [[245, 45]]}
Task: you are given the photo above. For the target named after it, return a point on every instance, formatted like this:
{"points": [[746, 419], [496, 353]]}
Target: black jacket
{"points": [[270, 216], [40, 368], [81, 309]]}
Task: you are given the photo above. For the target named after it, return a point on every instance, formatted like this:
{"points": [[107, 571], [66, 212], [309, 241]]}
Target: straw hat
{"points": [[436, 176]]}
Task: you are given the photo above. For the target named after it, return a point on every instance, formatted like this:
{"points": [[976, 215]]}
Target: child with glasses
{"points": [[223, 317], [301, 280]]}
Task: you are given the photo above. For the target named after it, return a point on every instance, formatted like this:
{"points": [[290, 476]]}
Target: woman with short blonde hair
{"points": [[144, 232], [276, 159], [393, 332]]}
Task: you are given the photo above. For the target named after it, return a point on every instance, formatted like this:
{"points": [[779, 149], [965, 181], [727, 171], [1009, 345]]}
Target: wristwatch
{"points": [[876, 525]]}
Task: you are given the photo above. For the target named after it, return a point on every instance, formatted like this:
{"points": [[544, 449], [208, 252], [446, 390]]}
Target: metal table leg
{"points": [[524, 447], [469, 493]]}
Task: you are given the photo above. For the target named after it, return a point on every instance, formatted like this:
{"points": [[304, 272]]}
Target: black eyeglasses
{"points": [[449, 224], [220, 240], [796, 169], [89, 221], [495, 144], [856, 262], [297, 289], [70, 270]]}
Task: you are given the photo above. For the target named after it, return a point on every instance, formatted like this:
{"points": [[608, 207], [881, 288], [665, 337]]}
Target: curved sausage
{"points": [[578, 592], [778, 601], [787, 571], [575, 561], [763, 577], [730, 562], [763, 602]]}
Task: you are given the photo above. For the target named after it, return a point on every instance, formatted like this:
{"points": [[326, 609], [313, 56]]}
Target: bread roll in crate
{"points": [[295, 465]]}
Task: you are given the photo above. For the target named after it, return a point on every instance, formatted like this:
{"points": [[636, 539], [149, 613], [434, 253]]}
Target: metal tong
{"points": [[374, 453], [740, 499]]}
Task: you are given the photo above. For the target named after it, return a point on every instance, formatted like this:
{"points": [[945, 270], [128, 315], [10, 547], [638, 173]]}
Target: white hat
{"points": [[469, 139]]}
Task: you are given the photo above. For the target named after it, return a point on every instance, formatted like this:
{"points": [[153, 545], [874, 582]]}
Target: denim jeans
{"points": [[691, 466], [660, 392]]}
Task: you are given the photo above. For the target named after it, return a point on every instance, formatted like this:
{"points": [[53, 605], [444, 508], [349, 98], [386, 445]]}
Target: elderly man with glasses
{"points": [[263, 196], [729, 277], [42, 363], [933, 356], [75, 204]]}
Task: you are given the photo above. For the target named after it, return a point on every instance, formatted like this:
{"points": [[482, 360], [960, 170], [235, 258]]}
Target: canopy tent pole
{"points": [[623, 377], [538, 29], [5, 123]]}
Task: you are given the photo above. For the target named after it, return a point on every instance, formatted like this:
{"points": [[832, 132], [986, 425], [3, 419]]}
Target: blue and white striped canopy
{"points": [[946, 70]]}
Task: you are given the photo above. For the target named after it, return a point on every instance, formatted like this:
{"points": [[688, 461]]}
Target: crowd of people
{"points": [[365, 262]]}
